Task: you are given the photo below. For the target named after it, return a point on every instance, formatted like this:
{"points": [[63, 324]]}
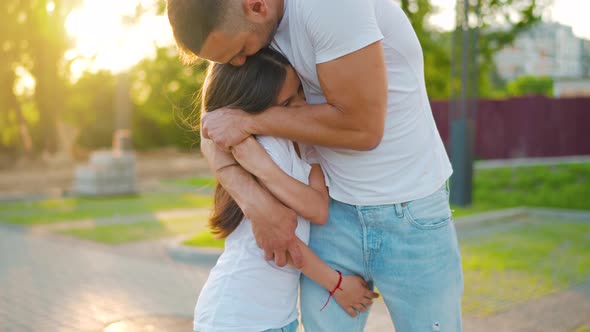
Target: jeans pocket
{"points": [[430, 212]]}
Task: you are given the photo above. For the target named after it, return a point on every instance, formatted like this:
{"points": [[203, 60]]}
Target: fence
{"points": [[525, 127]]}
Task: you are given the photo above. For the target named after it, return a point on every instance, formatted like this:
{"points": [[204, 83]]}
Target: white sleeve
{"points": [[310, 155], [278, 150], [340, 27]]}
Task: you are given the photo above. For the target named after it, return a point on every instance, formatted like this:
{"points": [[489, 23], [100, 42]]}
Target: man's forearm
{"points": [[216, 158], [321, 124]]}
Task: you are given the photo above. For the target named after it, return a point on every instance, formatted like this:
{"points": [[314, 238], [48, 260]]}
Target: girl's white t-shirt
{"points": [[244, 292]]}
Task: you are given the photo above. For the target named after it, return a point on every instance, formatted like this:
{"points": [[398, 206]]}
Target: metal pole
{"points": [[461, 158]]}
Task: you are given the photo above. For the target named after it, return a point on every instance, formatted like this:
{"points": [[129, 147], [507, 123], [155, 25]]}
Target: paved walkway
{"points": [[53, 283], [49, 285]]}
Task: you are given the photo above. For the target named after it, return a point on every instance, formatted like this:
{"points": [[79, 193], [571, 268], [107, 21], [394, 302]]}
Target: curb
{"points": [[492, 217], [208, 256], [574, 215], [192, 255]]}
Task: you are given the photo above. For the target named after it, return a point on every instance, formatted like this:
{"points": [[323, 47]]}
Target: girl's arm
{"points": [[309, 201], [353, 294]]}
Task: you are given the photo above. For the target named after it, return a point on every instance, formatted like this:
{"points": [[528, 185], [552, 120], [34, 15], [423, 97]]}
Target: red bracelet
{"points": [[333, 291]]}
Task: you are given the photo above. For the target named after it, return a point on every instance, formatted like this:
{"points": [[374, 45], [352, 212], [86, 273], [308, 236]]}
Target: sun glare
{"points": [[103, 41]]}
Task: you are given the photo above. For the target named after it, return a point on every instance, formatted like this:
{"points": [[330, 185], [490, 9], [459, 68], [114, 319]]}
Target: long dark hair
{"points": [[252, 87]]}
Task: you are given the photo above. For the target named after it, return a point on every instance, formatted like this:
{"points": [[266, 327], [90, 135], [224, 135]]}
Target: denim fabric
{"points": [[409, 251], [292, 327]]}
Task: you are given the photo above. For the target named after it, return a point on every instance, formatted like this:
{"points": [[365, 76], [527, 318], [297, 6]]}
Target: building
{"points": [[571, 88], [547, 49]]}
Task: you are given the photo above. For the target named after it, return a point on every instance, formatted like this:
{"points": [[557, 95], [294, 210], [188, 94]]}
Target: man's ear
{"points": [[256, 11]]}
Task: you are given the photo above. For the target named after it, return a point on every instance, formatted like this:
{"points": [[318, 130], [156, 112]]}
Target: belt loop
{"points": [[399, 209]]}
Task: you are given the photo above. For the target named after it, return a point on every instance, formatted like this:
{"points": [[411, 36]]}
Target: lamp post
{"points": [[463, 104]]}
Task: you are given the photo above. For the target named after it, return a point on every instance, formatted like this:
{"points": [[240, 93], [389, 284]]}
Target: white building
{"points": [[571, 88], [547, 49]]}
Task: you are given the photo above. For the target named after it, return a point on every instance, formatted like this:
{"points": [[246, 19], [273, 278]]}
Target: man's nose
{"points": [[239, 60]]}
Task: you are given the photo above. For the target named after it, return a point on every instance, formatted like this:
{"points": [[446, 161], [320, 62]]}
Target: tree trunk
{"points": [[25, 135]]}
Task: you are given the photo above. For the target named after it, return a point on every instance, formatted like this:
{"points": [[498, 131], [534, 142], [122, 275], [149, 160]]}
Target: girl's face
{"points": [[291, 93]]}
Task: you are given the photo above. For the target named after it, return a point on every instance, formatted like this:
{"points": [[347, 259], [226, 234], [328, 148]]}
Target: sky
{"points": [[104, 42]]}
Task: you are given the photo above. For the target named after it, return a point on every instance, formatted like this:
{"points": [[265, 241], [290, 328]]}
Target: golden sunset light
{"points": [[104, 41]]}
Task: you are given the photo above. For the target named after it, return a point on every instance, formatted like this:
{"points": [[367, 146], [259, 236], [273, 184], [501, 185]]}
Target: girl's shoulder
{"points": [[276, 146]]}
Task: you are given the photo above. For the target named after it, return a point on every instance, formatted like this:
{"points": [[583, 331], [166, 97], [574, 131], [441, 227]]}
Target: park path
{"points": [[50, 283], [54, 283]]}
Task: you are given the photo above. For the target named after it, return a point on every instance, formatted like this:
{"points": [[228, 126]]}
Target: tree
{"points": [[48, 41], [530, 85], [12, 120], [513, 16], [499, 23], [33, 38], [435, 47], [90, 109], [164, 93]]}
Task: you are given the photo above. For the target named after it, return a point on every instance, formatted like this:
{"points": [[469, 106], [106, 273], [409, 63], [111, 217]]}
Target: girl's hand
{"points": [[354, 295]]}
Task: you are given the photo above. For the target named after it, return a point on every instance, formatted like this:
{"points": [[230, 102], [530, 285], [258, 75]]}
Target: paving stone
{"points": [[80, 288]]}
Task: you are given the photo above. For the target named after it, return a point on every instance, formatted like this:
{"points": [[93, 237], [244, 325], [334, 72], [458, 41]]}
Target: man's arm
{"points": [[273, 224], [355, 86]]}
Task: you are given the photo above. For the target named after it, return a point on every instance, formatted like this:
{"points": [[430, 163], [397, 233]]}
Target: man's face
{"points": [[222, 47]]}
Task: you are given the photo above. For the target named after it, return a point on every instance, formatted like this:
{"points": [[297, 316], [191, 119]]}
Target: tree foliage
{"points": [[498, 22], [530, 85], [33, 40], [164, 93], [33, 37]]}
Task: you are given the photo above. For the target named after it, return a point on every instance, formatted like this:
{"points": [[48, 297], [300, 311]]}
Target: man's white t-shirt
{"points": [[411, 161], [244, 292]]}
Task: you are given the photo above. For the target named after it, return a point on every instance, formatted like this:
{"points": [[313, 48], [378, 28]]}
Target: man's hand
{"points": [[226, 127], [274, 230]]}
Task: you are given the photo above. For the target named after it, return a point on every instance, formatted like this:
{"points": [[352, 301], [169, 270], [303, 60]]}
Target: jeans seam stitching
{"points": [[410, 219], [364, 243]]}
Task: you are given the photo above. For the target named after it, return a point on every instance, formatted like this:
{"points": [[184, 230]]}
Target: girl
{"points": [[244, 292]]}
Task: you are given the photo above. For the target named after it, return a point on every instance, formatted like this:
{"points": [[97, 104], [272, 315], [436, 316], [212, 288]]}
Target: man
{"points": [[369, 117]]}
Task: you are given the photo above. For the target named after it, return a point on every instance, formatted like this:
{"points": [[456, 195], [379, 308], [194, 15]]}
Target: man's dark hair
{"points": [[193, 20]]}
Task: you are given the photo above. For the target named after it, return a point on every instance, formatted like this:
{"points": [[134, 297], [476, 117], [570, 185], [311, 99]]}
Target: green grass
{"points": [[561, 186], [509, 267], [196, 182], [564, 186], [523, 263], [55, 210], [146, 230], [205, 239]]}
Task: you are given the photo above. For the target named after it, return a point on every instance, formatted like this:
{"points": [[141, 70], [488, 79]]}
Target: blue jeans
{"points": [[292, 327], [409, 251]]}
